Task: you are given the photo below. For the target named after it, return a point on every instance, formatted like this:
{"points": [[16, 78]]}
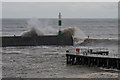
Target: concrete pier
{"points": [[58, 40], [94, 60]]}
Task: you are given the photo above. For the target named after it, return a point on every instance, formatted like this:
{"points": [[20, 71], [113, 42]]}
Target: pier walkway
{"points": [[104, 61]]}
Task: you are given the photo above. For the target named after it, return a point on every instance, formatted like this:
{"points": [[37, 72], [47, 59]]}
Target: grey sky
{"points": [[51, 9]]}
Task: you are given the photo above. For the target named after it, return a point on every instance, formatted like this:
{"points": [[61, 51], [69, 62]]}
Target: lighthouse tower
{"points": [[59, 24]]}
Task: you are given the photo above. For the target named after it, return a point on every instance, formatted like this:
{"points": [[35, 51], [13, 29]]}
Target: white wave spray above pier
{"points": [[37, 28]]}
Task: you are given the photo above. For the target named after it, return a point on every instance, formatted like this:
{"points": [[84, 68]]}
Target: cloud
{"points": [[51, 9]]}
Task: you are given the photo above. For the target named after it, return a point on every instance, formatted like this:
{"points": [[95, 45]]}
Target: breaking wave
{"points": [[32, 32], [37, 28], [99, 42]]}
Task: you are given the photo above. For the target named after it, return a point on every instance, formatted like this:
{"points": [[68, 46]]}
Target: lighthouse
{"points": [[59, 24]]}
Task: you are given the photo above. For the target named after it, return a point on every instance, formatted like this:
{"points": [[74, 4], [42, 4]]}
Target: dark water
{"points": [[40, 62], [95, 28], [50, 61]]}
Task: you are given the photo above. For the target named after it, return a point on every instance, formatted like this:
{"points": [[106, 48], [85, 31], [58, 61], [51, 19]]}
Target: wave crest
{"points": [[37, 28]]}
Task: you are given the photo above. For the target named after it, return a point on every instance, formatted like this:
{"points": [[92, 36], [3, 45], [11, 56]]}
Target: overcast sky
{"points": [[51, 9]]}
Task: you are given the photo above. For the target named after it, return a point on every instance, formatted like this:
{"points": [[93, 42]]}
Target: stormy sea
{"points": [[50, 61]]}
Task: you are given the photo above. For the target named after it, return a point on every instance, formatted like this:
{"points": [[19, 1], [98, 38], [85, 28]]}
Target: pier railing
{"points": [[84, 57]]}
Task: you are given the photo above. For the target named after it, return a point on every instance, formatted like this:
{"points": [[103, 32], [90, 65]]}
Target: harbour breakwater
{"points": [[36, 40]]}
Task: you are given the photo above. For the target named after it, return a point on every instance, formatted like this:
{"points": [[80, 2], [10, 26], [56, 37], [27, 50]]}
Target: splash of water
{"points": [[79, 35], [76, 33], [37, 28]]}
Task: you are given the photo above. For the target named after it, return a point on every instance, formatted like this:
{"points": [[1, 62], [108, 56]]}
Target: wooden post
{"points": [[89, 62], [67, 59], [83, 60], [117, 64], [80, 60], [93, 61], [107, 64]]}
